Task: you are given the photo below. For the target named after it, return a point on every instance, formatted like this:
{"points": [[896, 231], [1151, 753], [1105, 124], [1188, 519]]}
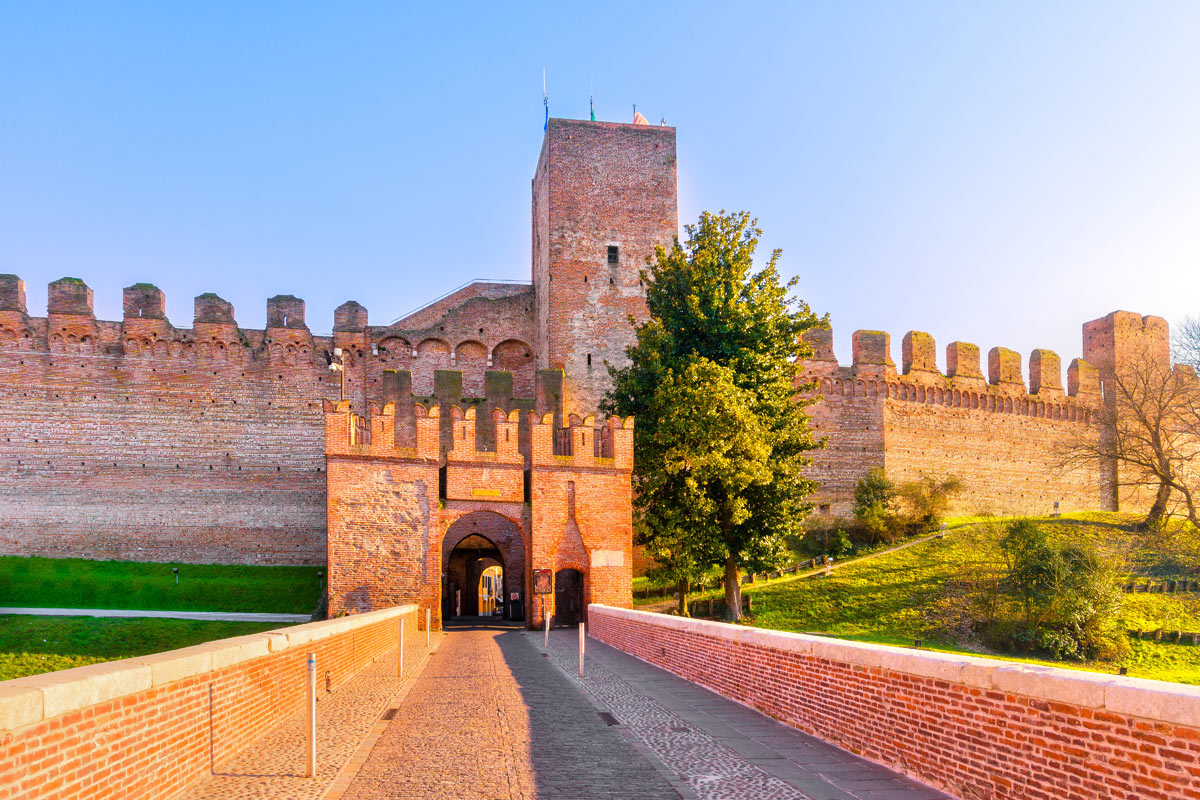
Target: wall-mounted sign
{"points": [[543, 581]]}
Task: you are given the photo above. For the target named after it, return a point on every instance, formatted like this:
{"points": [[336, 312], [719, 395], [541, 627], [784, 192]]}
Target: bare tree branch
{"points": [[1146, 433]]}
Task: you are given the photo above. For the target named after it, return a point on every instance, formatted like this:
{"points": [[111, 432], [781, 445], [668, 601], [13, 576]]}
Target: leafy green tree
{"points": [[874, 497], [721, 434]]}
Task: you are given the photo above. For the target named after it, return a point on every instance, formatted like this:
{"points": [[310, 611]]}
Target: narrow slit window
{"points": [[614, 254]]}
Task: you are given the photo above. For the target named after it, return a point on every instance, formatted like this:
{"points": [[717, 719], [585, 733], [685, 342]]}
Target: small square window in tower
{"points": [[614, 254]]}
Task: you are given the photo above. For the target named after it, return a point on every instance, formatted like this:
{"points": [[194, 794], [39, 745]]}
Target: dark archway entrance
{"points": [[468, 569], [475, 548], [568, 597]]}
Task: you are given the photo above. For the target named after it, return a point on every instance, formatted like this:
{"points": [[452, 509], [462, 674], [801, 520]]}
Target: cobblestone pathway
{"points": [[273, 767], [718, 748], [490, 717]]}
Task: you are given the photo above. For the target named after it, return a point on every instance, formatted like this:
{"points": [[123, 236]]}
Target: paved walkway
{"points": [[221, 616], [273, 766], [495, 716], [718, 748], [491, 717]]}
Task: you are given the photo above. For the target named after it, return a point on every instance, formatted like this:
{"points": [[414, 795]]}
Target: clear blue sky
{"points": [[995, 173]]}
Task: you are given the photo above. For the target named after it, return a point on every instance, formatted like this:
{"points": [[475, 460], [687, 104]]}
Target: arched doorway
{"points": [[483, 566], [470, 568], [568, 597]]}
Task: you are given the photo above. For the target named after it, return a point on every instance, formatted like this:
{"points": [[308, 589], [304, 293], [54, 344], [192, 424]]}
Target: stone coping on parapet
{"points": [[1157, 701], [25, 701]]}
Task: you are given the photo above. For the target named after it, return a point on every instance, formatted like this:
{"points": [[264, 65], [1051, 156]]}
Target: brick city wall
{"points": [[142, 441], [1004, 441], [154, 726], [974, 727]]}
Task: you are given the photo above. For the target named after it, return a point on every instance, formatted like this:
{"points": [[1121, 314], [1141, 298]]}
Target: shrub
{"points": [[927, 500], [874, 497], [1064, 597]]}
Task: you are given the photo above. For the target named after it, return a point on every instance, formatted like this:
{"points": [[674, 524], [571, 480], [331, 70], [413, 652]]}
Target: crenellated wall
{"points": [[1003, 440], [397, 509], [145, 441]]}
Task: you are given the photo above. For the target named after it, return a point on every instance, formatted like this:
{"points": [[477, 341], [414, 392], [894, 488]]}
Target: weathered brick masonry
{"points": [[975, 727], [146, 441], [152, 727], [141, 440], [1003, 440], [397, 515], [604, 195]]}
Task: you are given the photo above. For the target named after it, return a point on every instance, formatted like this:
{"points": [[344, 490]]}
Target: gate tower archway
{"points": [[473, 543]]}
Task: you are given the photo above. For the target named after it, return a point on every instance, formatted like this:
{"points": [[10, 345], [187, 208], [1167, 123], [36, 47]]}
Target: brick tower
{"points": [[604, 195], [1124, 337]]}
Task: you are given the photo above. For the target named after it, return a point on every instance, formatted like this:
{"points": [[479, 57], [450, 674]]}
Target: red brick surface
{"points": [[597, 184], [392, 530], [961, 734], [1005, 443], [158, 742]]}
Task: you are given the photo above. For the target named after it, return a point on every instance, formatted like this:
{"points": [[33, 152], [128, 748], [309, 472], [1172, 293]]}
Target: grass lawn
{"points": [[31, 645], [77, 583], [886, 599]]}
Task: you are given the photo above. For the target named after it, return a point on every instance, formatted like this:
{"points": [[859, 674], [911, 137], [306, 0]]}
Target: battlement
{"points": [[873, 376], [581, 443]]}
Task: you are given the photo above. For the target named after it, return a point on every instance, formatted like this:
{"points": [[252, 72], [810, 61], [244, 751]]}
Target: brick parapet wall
{"points": [[152, 727], [974, 727]]}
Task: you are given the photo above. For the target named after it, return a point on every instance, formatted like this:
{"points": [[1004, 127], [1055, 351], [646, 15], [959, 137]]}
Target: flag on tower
{"points": [[638, 119]]}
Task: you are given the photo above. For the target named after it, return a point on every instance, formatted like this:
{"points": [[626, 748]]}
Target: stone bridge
{"points": [[664, 707]]}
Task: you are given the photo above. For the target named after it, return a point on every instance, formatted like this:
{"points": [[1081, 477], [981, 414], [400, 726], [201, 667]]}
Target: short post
{"points": [[400, 651], [310, 761], [427, 629], [581, 649], [545, 624]]}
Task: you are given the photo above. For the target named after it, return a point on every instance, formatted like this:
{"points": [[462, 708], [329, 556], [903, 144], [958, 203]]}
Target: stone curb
{"points": [[25, 701], [1159, 701]]}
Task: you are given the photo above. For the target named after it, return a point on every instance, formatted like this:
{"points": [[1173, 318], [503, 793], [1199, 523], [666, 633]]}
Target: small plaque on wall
{"points": [[543, 581]]}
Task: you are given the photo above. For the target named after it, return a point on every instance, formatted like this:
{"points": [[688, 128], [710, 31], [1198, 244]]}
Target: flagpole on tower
{"points": [[591, 97], [545, 102]]}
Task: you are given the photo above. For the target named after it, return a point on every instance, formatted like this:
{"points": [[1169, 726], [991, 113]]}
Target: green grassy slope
{"points": [[887, 599], [31, 645], [76, 583]]}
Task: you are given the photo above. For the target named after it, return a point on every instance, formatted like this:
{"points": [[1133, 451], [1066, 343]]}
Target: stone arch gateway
{"points": [[417, 523]]}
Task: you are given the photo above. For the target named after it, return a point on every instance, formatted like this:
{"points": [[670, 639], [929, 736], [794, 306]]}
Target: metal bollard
{"points": [[400, 651], [546, 620], [581, 649], [427, 629], [310, 769]]}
